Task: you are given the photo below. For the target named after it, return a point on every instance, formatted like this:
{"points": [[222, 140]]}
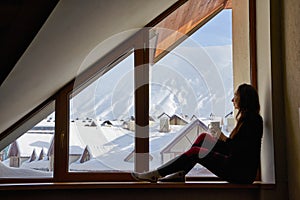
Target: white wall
{"points": [[291, 72], [240, 42]]}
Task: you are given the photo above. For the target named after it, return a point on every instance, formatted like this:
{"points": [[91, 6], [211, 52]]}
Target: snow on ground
{"points": [[10, 172], [42, 165]]}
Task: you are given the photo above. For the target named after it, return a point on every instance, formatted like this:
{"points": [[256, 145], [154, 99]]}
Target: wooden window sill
{"points": [[134, 185]]}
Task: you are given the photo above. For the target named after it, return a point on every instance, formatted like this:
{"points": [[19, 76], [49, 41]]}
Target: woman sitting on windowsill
{"points": [[235, 159]]}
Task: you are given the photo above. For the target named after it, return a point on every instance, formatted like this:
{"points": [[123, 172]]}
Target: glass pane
{"points": [[31, 155], [102, 122], [189, 87]]}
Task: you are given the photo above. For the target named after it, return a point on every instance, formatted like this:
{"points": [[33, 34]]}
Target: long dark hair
{"points": [[248, 103]]}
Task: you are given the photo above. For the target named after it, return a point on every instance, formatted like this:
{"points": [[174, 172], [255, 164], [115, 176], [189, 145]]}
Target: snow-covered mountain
{"points": [[189, 81]]}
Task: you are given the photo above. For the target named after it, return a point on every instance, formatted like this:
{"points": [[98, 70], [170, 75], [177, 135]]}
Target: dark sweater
{"points": [[242, 152]]}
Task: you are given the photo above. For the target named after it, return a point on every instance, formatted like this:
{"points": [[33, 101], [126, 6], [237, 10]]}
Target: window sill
{"points": [[135, 185]]}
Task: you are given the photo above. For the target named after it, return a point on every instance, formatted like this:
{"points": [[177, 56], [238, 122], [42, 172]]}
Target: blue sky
{"points": [[217, 31]]}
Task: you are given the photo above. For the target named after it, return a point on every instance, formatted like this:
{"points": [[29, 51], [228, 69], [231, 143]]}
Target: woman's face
{"points": [[235, 100]]}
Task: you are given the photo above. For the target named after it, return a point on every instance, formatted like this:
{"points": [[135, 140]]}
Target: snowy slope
{"points": [[190, 80], [9, 172]]}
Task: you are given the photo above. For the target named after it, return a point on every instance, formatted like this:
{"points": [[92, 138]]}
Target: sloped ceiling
{"points": [[20, 21], [62, 48]]}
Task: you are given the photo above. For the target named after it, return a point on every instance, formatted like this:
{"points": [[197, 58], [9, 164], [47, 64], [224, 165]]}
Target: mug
{"points": [[214, 124], [214, 127]]}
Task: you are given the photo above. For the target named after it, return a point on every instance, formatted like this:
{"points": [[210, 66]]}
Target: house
{"points": [[163, 115], [33, 156], [177, 120], [184, 140], [86, 155], [164, 124], [129, 125], [130, 157], [26, 147], [151, 118], [91, 123], [194, 117], [106, 123], [42, 155], [50, 155], [14, 155]]}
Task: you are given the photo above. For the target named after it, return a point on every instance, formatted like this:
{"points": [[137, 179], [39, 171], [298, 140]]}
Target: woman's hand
{"points": [[222, 137]]}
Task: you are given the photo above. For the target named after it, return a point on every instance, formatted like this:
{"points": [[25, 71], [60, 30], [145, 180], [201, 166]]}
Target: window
{"points": [[99, 116], [189, 86], [31, 154], [102, 121]]}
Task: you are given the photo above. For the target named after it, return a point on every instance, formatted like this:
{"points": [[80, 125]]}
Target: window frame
{"points": [[61, 165], [61, 173]]}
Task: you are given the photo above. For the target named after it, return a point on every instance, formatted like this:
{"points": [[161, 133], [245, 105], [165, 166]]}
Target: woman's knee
{"points": [[197, 152], [200, 139]]}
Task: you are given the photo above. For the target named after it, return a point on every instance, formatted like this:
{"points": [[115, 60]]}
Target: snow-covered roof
{"points": [[99, 139], [184, 131], [33, 141], [11, 172], [178, 117], [164, 114], [43, 164], [46, 126], [121, 145]]}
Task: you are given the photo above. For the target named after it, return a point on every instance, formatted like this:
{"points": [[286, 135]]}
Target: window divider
{"points": [[141, 87], [61, 143]]}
